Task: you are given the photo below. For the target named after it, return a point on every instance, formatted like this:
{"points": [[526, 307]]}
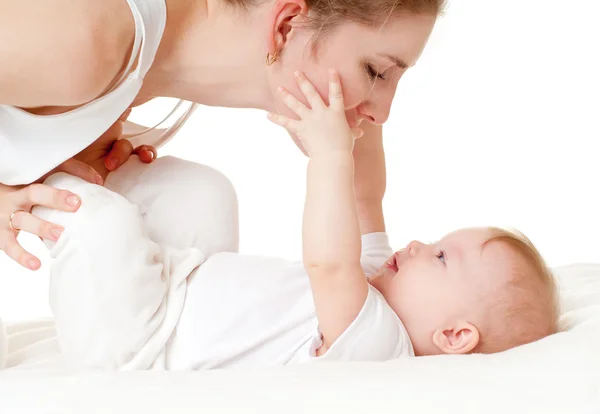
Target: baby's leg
{"points": [[116, 294], [183, 204]]}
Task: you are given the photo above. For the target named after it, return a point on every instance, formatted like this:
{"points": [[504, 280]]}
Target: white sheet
{"points": [[560, 374]]}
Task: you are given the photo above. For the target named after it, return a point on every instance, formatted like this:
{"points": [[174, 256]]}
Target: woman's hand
{"points": [[16, 203], [122, 149], [15, 211], [109, 151], [93, 164]]}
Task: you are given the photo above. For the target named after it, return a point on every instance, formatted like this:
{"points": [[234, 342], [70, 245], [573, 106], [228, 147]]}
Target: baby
{"points": [[122, 300], [479, 290]]}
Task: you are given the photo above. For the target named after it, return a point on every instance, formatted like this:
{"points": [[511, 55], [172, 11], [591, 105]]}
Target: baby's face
{"points": [[438, 288]]}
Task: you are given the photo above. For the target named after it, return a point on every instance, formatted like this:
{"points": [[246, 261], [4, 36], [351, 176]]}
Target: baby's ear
{"points": [[459, 339]]}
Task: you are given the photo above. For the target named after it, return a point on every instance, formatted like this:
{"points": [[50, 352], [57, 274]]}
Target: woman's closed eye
{"points": [[373, 73]]}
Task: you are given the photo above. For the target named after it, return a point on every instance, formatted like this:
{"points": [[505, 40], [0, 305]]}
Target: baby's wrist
{"points": [[337, 157]]}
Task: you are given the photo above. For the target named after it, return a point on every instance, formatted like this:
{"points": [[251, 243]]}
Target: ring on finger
{"points": [[12, 216]]}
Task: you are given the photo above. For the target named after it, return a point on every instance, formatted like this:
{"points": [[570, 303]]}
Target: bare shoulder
{"points": [[61, 52]]}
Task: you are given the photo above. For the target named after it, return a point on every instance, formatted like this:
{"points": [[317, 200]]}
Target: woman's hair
{"points": [[324, 15]]}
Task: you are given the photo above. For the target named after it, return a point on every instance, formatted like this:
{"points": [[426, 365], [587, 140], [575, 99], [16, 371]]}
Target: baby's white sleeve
{"points": [[377, 334], [376, 250]]}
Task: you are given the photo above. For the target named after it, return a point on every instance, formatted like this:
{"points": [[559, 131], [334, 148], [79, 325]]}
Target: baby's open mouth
{"points": [[392, 264]]}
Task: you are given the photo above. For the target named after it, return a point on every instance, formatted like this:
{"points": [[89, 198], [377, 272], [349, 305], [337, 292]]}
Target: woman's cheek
{"points": [[355, 89], [323, 89]]}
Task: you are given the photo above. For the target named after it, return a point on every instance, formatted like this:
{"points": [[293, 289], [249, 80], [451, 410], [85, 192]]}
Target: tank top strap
{"points": [[150, 17], [137, 43]]}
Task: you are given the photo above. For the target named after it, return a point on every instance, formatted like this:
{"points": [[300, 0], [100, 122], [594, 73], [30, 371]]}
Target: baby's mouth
{"points": [[392, 264]]}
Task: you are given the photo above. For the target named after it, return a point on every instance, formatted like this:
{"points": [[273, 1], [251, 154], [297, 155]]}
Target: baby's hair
{"points": [[526, 309], [325, 15]]}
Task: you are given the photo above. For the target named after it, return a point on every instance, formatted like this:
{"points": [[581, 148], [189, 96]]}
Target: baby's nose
{"points": [[414, 247]]}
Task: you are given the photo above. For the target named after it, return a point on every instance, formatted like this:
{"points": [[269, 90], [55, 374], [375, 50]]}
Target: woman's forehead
{"points": [[403, 37]]}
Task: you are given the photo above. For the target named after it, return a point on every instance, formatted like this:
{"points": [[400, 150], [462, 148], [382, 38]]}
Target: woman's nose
{"points": [[375, 113], [376, 108]]}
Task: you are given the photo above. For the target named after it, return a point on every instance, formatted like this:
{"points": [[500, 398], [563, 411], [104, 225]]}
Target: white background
{"points": [[498, 124]]}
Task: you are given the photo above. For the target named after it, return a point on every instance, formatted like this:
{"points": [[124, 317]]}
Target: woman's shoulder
{"points": [[62, 53]]}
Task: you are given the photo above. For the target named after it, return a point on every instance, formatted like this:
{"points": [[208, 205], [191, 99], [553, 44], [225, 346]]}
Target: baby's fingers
{"points": [[357, 133], [294, 104], [283, 121], [311, 93], [336, 97]]}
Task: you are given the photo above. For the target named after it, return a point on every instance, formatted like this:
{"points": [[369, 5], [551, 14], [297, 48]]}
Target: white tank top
{"points": [[32, 145]]}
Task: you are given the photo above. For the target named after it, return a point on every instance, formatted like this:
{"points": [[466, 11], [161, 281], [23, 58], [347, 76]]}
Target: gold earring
{"points": [[271, 58]]}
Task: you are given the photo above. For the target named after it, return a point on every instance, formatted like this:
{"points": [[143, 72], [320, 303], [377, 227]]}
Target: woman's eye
{"points": [[442, 257], [373, 74]]}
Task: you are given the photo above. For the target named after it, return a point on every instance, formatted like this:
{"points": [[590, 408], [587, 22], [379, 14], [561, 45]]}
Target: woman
{"points": [[72, 70]]}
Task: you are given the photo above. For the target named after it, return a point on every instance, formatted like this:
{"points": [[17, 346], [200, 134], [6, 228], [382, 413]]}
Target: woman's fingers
{"points": [[16, 252], [294, 104], [81, 170], [31, 224], [147, 153], [15, 216], [336, 97], [44, 195], [119, 154], [309, 91]]}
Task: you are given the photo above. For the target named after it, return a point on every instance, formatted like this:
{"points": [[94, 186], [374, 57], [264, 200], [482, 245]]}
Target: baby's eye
{"points": [[442, 257]]}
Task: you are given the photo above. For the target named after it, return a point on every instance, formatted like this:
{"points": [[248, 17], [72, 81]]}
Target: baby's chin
{"points": [[381, 281]]}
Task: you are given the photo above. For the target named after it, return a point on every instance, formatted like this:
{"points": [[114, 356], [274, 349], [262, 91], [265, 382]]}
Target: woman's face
{"points": [[370, 62]]}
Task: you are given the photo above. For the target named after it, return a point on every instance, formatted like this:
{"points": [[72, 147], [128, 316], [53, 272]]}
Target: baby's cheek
{"points": [[399, 297]]}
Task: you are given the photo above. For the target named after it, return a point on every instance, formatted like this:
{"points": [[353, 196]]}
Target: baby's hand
{"points": [[322, 129]]}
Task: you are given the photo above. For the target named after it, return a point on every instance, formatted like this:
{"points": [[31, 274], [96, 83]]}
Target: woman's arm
{"points": [[370, 179], [61, 52]]}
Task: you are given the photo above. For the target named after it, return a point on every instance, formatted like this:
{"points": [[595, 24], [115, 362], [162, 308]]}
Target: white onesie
{"points": [[259, 311], [122, 301]]}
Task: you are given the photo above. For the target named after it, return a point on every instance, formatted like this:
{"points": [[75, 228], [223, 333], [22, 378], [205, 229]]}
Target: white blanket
{"points": [[560, 374]]}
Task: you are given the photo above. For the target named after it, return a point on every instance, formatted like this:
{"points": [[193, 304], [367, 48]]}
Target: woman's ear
{"points": [[459, 339], [282, 15]]}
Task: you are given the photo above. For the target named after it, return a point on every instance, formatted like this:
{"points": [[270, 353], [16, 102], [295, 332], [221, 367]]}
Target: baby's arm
{"points": [[332, 244], [331, 230]]}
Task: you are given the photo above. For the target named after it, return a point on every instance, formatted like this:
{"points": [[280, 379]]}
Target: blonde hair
{"points": [[525, 309]]}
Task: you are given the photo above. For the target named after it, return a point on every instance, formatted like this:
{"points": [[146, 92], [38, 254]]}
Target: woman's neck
{"points": [[210, 55]]}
